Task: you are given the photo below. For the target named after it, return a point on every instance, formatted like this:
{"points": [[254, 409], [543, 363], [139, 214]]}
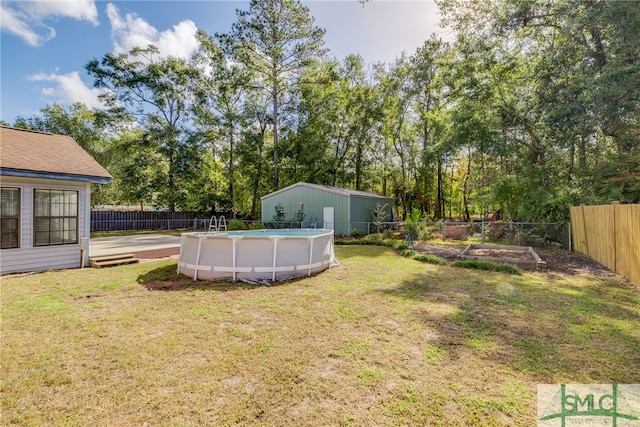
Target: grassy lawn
{"points": [[380, 340]]}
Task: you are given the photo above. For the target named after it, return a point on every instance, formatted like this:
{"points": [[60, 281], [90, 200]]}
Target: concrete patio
{"points": [[143, 246]]}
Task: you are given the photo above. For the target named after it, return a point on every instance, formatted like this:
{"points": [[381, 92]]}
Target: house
{"points": [[45, 184], [340, 209]]}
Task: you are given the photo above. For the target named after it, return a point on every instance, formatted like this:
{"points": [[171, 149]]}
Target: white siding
{"points": [[27, 258]]}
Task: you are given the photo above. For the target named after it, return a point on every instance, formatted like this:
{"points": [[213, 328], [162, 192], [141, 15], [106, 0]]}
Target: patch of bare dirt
{"points": [[564, 261], [501, 253], [161, 258], [448, 252], [558, 260]]}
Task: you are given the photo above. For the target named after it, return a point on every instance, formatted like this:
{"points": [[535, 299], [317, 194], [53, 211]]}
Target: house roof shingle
{"points": [[40, 154]]}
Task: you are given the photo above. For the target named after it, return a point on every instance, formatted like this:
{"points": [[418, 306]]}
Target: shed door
{"points": [[327, 217]]}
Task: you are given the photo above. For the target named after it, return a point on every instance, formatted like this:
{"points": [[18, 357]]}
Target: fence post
{"points": [[570, 248], [482, 241]]}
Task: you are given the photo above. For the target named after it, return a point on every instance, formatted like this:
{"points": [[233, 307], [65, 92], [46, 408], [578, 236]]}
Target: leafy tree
{"points": [[77, 121], [252, 150], [562, 96], [430, 100], [158, 92], [134, 167], [314, 139], [336, 121], [275, 40], [398, 96], [218, 107]]}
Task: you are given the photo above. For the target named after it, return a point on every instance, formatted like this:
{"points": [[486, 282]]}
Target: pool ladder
{"points": [[216, 224]]}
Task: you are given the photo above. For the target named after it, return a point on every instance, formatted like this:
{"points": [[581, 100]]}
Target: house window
{"points": [[10, 217], [55, 217]]}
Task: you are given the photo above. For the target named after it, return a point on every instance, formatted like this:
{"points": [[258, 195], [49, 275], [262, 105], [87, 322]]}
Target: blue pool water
{"points": [[286, 232]]}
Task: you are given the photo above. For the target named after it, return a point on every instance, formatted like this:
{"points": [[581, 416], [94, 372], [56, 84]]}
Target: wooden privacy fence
{"points": [[610, 234]]}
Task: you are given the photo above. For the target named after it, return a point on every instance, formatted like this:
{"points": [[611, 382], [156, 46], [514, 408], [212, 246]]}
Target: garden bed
{"points": [[522, 256]]}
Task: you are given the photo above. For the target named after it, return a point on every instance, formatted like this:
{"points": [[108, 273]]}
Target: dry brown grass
{"points": [[380, 340]]}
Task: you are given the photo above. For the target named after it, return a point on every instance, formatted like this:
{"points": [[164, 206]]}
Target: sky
{"points": [[45, 44]]}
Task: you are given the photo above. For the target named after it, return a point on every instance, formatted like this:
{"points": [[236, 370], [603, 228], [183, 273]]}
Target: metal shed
{"points": [[340, 209]]}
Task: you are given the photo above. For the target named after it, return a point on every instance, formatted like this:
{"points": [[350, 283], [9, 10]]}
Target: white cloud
{"points": [[68, 88], [81, 10], [127, 32], [181, 41], [132, 31], [26, 19]]}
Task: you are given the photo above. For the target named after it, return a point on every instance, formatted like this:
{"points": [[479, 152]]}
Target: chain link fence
{"points": [[535, 234]]}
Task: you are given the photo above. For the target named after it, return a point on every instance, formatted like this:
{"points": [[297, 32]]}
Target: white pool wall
{"points": [[262, 254]]}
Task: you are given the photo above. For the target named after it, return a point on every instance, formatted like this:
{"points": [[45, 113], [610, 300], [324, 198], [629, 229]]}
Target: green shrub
{"points": [[355, 242], [256, 226], [356, 232], [430, 259], [235, 224], [366, 241], [400, 246], [409, 253], [425, 232], [375, 237], [379, 216], [487, 265], [412, 229]]}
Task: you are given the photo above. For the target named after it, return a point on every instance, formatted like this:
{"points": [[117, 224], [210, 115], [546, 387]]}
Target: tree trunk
{"points": [[439, 195], [275, 138], [254, 200], [258, 175], [465, 188], [358, 166], [582, 155], [172, 185], [231, 173], [572, 161]]}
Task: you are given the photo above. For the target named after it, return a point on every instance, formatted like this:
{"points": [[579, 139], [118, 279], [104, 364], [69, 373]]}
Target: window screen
{"points": [[55, 217], [10, 217]]}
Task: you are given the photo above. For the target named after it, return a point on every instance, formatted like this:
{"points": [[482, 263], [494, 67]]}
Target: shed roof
{"points": [[336, 190], [36, 154]]}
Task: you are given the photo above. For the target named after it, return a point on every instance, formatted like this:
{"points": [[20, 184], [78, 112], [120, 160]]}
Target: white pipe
{"points": [[275, 257], [195, 273], [234, 250], [310, 254], [332, 259], [182, 247], [234, 261]]}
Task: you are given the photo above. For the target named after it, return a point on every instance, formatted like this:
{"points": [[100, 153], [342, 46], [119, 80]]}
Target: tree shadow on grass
{"points": [[558, 331], [167, 279]]}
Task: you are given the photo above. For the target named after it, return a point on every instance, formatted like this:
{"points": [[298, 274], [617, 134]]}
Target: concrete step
{"points": [[112, 260]]}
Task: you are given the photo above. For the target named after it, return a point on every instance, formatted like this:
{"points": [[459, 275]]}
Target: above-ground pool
{"points": [[256, 254]]}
